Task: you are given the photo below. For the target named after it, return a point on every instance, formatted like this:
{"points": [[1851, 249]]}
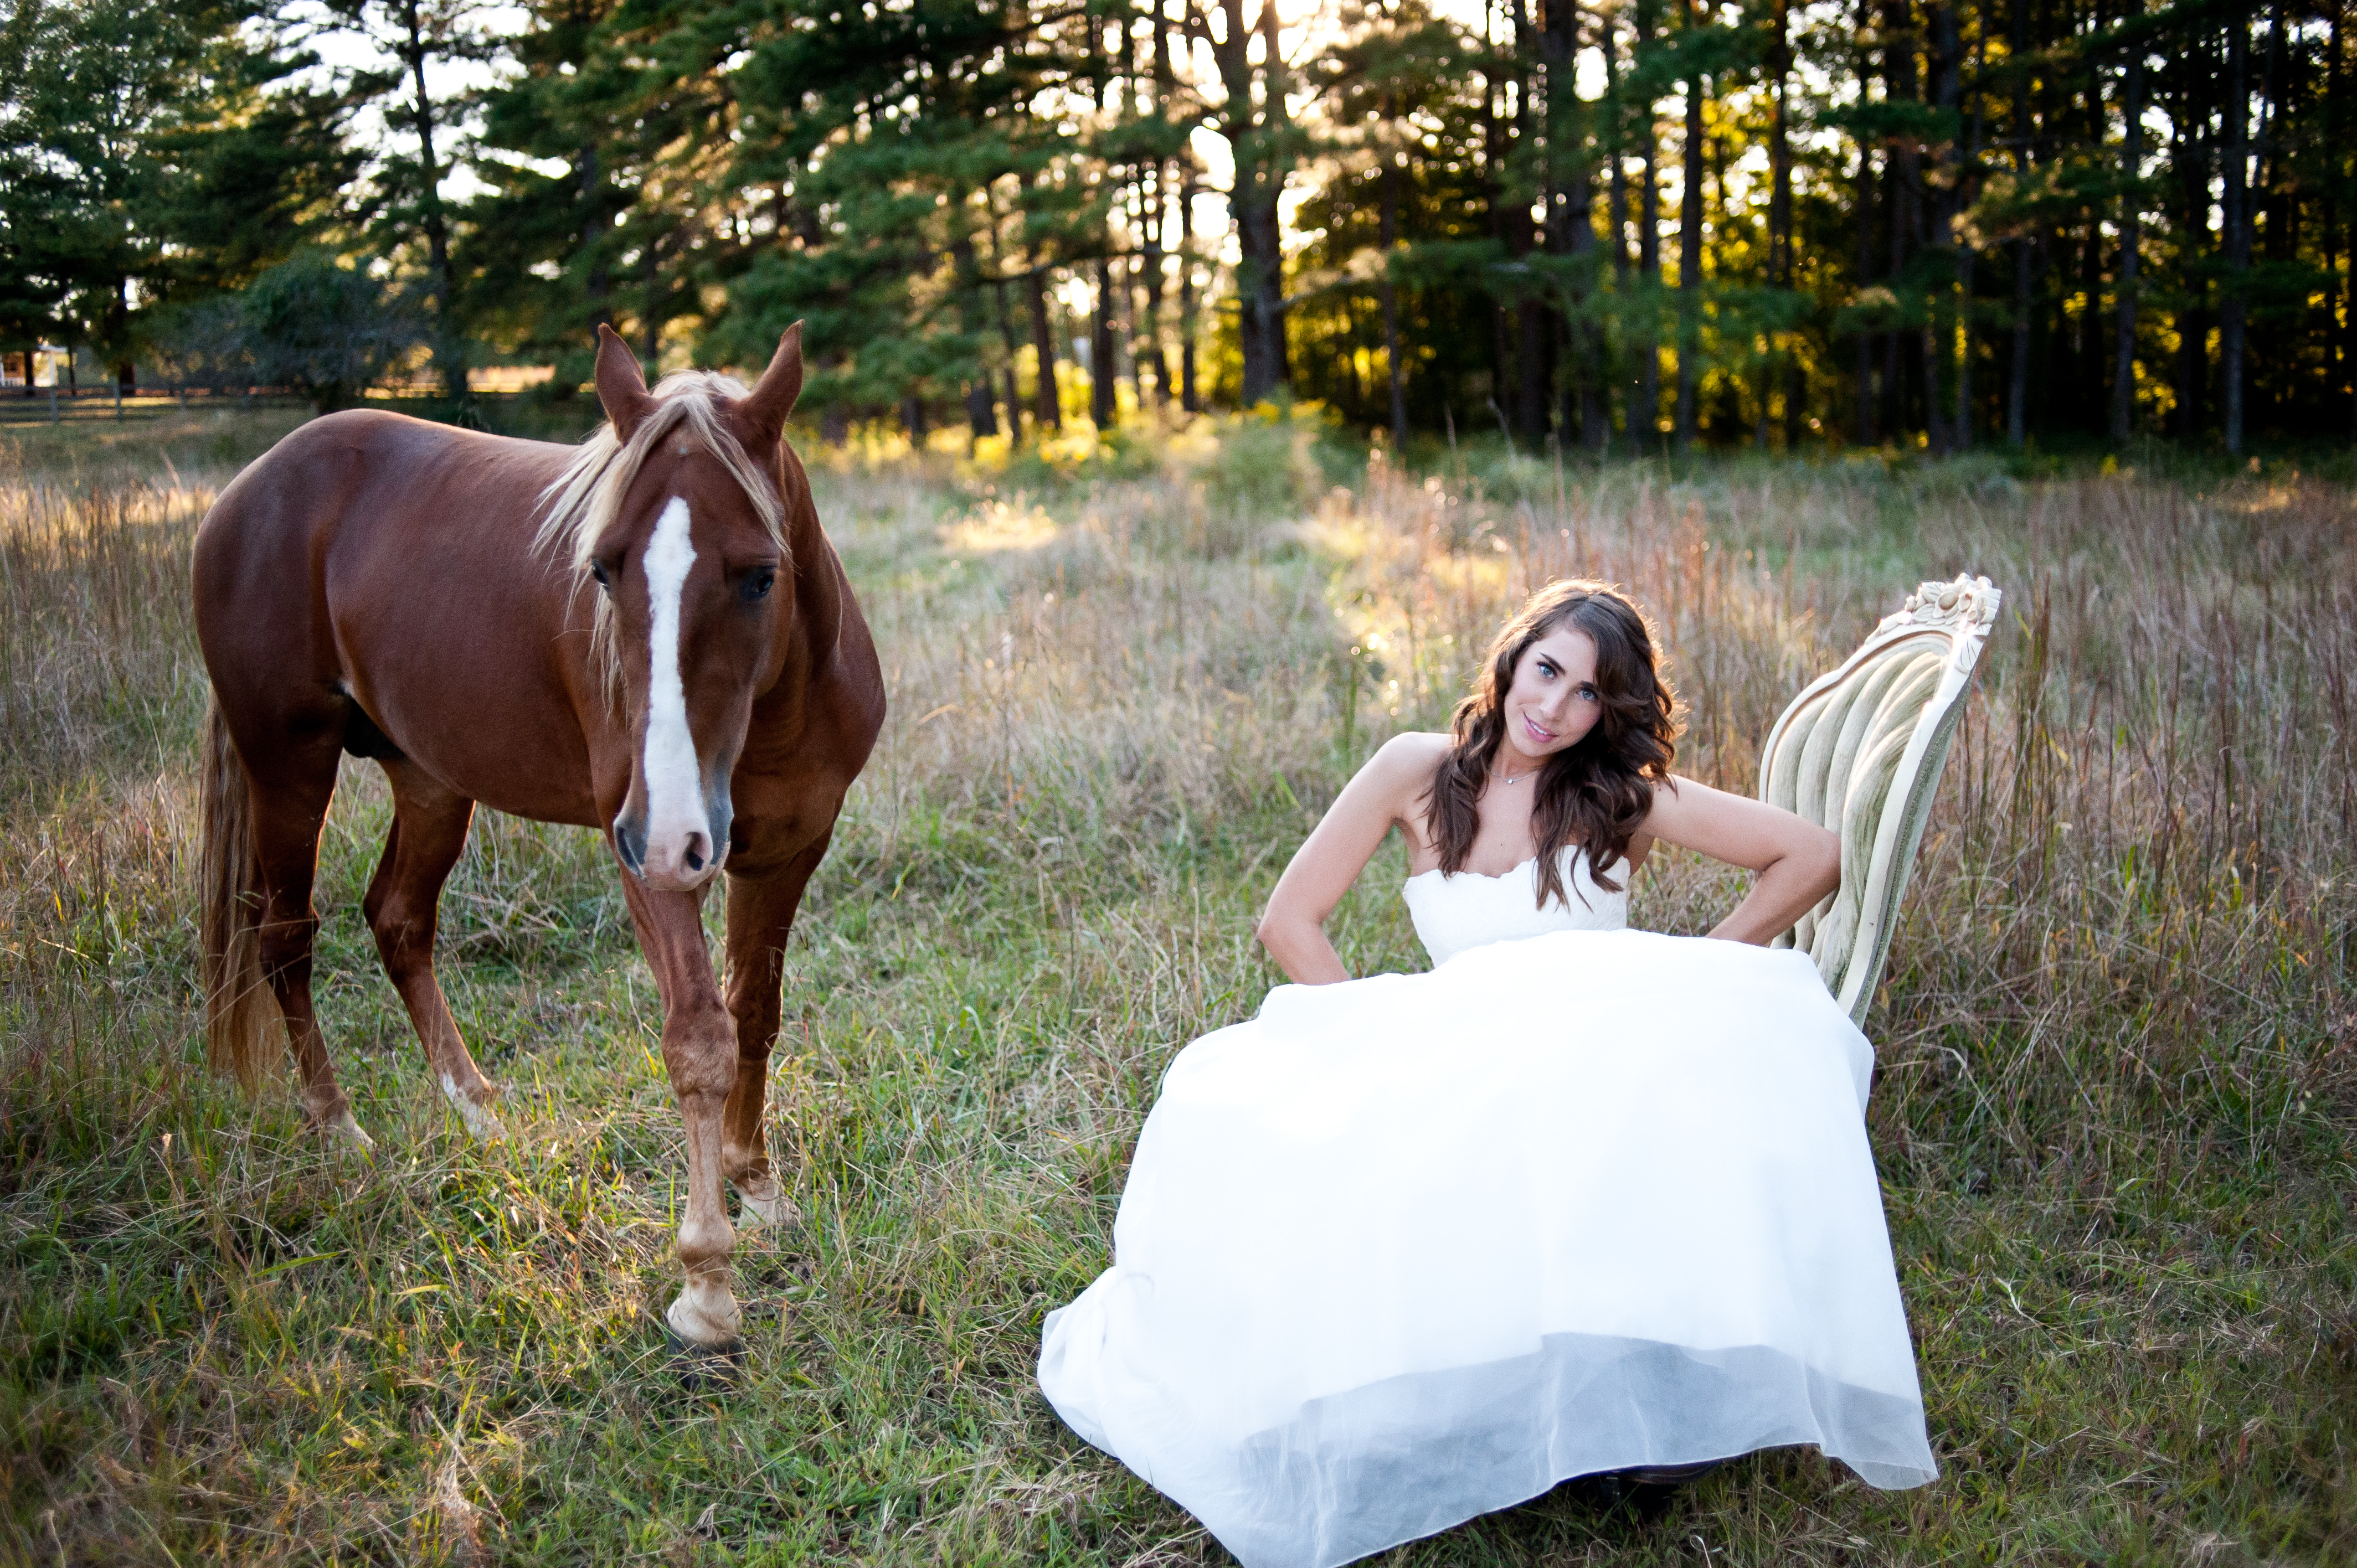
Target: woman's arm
{"points": [[1293, 928], [1798, 862]]}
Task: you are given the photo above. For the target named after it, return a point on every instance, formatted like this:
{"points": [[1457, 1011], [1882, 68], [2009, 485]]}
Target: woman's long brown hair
{"points": [[1594, 794]]}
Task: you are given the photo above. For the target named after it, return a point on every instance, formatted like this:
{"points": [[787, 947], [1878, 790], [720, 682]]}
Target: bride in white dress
{"points": [[1404, 1249]]}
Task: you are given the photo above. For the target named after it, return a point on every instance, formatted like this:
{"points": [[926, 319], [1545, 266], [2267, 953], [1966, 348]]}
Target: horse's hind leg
{"points": [[290, 805], [429, 829]]}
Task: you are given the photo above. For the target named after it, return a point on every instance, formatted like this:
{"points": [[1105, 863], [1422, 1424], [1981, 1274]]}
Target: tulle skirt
{"points": [[1404, 1251]]}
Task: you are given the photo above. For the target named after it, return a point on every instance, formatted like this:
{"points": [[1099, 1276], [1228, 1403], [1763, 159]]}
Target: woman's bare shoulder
{"points": [[1400, 773], [1410, 757], [1425, 745]]}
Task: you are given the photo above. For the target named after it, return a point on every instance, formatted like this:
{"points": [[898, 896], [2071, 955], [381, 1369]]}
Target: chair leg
{"points": [[1645, 1490]]}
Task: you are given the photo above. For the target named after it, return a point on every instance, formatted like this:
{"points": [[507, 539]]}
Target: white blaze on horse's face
{"points": [[680, 852], [690, 574]]}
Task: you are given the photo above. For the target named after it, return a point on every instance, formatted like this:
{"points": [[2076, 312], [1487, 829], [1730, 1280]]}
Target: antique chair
{"points": [[1860, 751]]}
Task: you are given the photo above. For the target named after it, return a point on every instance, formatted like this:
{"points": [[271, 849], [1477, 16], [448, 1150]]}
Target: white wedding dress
{"points": [[1409, 1249]]}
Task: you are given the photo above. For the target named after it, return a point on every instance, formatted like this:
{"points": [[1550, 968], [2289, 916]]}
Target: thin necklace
{"points": [[1516, 779]]}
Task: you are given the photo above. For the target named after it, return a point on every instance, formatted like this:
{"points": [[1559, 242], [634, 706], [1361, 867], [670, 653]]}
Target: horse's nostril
{"points": [[695, 852]]}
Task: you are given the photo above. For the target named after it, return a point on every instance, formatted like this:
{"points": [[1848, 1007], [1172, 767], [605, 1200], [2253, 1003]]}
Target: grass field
{"points": [[2116, 1113]]}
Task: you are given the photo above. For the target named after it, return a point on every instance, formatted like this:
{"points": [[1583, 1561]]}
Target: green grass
{"points": [[2115, 1112]]}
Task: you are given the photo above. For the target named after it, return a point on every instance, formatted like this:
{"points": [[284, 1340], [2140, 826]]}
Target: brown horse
{"points": [[648, 633]]}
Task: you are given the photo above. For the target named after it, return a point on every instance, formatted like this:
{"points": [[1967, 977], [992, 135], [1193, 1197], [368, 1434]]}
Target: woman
{"points": [[1404, 1249]]}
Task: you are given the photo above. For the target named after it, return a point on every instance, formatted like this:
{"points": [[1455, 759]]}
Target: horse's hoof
{"points": [[348, 1134], [705, 1315], [482, 1122], [705, 1369], [765, 1206]]}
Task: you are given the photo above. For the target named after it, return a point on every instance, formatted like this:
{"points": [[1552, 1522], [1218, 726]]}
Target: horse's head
{"points": [[692, 555]]}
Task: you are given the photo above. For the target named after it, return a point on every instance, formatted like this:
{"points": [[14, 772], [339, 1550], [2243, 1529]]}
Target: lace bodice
{"points": [[1467, 910]]}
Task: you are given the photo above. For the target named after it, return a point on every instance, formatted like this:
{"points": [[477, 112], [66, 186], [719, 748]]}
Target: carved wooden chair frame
{"points": [[1860, 751]]}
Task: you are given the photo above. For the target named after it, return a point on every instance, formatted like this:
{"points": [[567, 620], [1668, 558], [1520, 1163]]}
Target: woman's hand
{"points": [[1384, 792], [1798, 862]]}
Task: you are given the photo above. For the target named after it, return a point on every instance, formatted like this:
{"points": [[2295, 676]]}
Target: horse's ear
{"points": [[621, 388], [763, 412]]}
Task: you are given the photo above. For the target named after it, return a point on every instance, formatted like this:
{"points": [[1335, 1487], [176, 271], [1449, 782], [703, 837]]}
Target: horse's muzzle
{"points": [[678, 859]]}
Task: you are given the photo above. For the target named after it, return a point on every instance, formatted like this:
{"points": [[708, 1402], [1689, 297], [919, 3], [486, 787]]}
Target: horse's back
{"points": [[377, 559], [315, 474]]}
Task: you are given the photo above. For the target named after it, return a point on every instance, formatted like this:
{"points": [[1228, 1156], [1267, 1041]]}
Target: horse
{"points": [[648, 633]]}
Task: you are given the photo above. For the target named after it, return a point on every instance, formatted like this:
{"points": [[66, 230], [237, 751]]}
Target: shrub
{"points": [[309, 324]]}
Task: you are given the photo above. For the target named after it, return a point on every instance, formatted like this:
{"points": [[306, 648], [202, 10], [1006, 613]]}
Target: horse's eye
{"points": [[757, 584], [597, 570]]}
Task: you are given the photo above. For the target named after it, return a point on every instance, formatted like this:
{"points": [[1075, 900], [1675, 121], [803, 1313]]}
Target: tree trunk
{"points": [[449, 352], [1619, 205], [1784, 371], [1960, 428], [1645, 423], [1258, 143], [1494, 206], [981, 407], [1158, 233], [597, 224], [1124, 330], [1104, 406], [1049, 400], [2016, 395], [1690, 245], [1387, 233], [1189, 399], [1005, 336], [1906, 359], [2190, 163], [1152, 333], [2131, 171], [2281, 222], [1939, 314], [1866, 426], [2336, 121], [2234, 207]]}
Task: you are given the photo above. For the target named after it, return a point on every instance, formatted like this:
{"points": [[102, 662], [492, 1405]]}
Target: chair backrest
{"points": [[1860, 751]]}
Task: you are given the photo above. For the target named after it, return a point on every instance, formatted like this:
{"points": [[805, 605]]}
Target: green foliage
{"points": [[1916, 234], [309, 324]]}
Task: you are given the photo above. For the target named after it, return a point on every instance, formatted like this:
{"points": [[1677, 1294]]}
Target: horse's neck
{"points": [[819, 588]]}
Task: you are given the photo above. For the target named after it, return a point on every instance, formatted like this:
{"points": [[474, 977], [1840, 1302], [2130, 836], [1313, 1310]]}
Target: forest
{"points": [[1601, 225]]}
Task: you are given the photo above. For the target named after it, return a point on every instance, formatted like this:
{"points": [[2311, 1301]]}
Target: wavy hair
{"points": [[1594, 794]]}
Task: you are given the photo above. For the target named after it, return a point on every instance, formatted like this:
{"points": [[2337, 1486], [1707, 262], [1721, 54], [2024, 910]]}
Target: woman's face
{"points": [[1553, 703]]}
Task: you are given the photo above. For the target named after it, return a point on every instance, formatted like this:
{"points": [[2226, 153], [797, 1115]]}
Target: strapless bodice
{"points": [[1455, 911]]}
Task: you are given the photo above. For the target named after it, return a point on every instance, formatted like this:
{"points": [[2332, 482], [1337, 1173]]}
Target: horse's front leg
{"points": [[699, 1048], [761, 905]]}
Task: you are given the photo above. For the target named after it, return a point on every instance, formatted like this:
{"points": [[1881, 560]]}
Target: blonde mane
{"points": [[583, 501]]}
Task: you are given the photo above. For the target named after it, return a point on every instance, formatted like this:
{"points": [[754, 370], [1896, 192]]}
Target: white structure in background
{"points": [[50, 367]]}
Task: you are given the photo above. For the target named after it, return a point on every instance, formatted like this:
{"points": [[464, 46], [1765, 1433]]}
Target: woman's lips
{"points": [[1536, 734]]}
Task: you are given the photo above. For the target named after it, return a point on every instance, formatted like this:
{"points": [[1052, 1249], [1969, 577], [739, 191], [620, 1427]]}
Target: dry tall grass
{"points": [[2116, 1111]]}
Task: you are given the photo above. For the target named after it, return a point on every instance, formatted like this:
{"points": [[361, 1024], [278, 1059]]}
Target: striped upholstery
{"points": [[1860, 751]]}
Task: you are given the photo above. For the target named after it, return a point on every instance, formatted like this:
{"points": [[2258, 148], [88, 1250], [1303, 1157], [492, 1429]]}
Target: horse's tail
{"points": [[239, 1007]]}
